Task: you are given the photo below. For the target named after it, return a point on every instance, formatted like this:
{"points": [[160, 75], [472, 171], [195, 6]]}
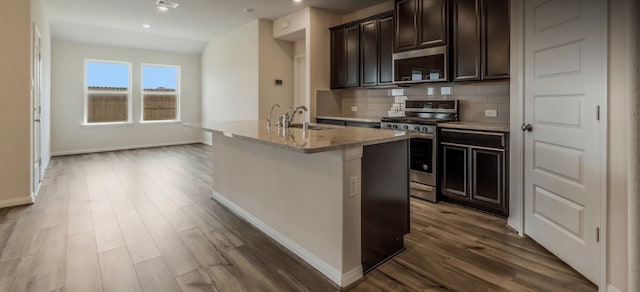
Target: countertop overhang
{"points": [[298, 140]]}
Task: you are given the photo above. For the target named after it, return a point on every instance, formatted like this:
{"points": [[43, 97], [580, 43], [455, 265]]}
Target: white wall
{"points": [[238, 73], [69, 136], [276, 59], [318, 46], [15, 121]]}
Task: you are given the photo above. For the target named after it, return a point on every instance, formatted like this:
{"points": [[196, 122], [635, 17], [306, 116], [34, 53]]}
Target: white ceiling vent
{"points": [[162, 3]]}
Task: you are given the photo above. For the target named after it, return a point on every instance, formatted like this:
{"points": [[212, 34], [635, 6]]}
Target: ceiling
{"points": [[185, 29]]}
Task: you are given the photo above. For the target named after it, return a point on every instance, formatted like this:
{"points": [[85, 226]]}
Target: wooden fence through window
{"points": [[104, 108], [159, 107]]}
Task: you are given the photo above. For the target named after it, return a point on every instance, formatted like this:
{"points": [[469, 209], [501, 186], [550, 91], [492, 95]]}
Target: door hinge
{"points": [[598, 113], [597, 234]]}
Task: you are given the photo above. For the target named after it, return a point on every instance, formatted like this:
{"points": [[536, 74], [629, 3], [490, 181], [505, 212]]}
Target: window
{"points": [[160, 93], [107, 92]]}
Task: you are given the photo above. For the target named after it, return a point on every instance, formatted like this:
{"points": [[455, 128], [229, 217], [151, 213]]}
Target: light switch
{"points": [[491, 113], [445, 90], [354, 108]]}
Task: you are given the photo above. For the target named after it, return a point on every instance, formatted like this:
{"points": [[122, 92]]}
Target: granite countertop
{"points": [[368, 119], [496, 127], [295, 139]]}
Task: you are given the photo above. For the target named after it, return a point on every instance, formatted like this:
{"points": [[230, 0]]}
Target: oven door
{"points": [[422, 162]]}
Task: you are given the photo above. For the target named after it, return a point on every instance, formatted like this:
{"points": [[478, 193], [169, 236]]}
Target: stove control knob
{"points": [[395, 126], [405, 127], [425, 129], [417, 128]]}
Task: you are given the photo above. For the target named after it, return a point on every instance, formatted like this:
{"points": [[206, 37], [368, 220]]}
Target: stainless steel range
{"points": [[422, 116]]}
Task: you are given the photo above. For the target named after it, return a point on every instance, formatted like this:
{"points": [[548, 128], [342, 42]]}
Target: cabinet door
{"points": [[352, 35], [433, 23], [488, 178], [495, 40], [406, 25], [466, 40], [369, 53], [385, 63], [338, 58], [455, 171]]}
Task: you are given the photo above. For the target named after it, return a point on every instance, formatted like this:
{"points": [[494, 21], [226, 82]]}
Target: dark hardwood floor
{"points": [[143, 220]]}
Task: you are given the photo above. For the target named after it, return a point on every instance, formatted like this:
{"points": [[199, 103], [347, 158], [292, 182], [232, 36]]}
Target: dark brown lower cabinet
{"points": [[385, 201], [474, 169]]}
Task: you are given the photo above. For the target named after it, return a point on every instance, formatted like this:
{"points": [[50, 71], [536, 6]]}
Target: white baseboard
{"points": [[610, 288], [334, 275], [352, 276], [17, 201], [127, 147], [515, 225]]}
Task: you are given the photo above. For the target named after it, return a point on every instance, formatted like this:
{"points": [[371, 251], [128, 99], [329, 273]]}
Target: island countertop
{"points": [[295, 139]]}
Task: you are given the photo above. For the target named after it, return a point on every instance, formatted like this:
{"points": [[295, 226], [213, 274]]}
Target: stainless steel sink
{"points": [[311, 126]]}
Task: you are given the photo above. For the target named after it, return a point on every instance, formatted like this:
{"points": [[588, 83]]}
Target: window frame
{"points": [[85, 121], [177, 93]]}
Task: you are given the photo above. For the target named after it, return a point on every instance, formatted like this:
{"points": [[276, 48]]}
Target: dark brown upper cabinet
{"points": [[385, 50], [376, 51], [361, 52], [420, 24], [496, 40], [345, 54], [338, 58], [369, 53], [480, 39]]}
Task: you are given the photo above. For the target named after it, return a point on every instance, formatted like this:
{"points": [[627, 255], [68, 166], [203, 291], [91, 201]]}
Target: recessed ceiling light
{"points": [[163, 8], [146, 25], [297, 1], [248, 10], [167, 4]]}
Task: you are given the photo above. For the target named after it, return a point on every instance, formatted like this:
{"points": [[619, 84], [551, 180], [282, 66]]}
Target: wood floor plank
{"points": [[82, 267], [139, 243], [95, 208], [107, 229], [155, 276], [176, 254], [196, 281], [203, 250], [50, 260], [117, 271], [15, 273]]}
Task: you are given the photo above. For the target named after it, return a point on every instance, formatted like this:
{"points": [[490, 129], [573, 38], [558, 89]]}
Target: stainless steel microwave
{"points": [[424, 65]]}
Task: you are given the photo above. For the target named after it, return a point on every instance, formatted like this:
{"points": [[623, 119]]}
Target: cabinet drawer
{"points": [[473, 138]]}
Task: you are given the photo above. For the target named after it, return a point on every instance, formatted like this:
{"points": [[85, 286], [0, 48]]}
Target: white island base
{"points": [[309, 203]]}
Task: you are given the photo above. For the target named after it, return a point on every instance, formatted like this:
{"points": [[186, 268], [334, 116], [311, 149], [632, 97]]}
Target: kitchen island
{"points": [[337, 197]]}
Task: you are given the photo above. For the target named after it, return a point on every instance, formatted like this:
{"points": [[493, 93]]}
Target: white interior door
{"points": [[565, 81], [36, 92]]}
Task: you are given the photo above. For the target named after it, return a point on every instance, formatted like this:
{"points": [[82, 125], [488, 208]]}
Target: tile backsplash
{"points": [[474, 100]]}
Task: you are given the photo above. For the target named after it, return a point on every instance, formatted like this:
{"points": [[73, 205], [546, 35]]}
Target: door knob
{"points": [[527, 127], [37, 120]]}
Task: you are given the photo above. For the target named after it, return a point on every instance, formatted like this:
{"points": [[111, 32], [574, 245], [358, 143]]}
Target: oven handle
{"points": [[425, 135], [422, 187]]}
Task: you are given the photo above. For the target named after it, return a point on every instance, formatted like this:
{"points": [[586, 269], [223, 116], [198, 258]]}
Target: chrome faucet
{"points": [[298, 110], [270, 112]]}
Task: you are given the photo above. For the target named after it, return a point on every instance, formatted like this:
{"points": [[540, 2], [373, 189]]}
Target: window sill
{"points": [[107, 125], [164, 122]]}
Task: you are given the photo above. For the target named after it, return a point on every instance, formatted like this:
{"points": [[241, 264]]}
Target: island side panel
{"points": [[297, 199], [385, 201]]}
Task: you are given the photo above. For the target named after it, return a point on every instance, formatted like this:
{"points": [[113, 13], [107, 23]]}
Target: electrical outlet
{"points": [[491, 113], [354, 108], [353, 186]]}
